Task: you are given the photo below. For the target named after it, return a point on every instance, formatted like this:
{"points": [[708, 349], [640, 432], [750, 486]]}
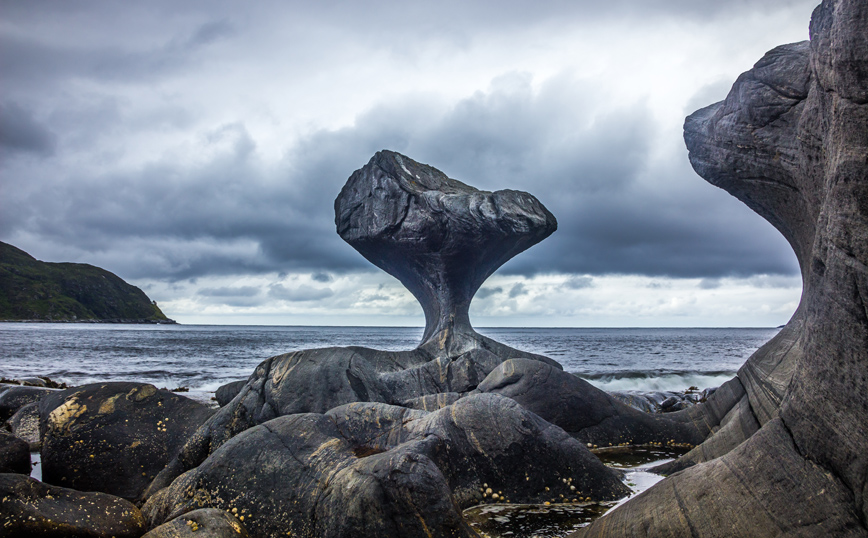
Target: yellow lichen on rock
{"points": [[60, 418], [141, 392], [108, 406]]}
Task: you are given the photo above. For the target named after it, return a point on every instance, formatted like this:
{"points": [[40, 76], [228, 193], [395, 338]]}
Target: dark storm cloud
{"points": [[485, 292], [517, 290], [579, 282], [231, 213], [20, 131], [228, 291], [321, 277], [584, 165]]}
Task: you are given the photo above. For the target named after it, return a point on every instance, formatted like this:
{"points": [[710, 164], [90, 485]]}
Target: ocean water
{"points": [[203, 357]]}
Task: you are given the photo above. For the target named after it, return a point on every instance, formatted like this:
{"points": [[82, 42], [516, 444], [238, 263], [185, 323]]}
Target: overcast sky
{"points": [[195, 149]]}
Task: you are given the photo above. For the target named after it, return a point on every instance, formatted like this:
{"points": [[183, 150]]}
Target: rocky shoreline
{"points": [[353, 441], [82, 456]]}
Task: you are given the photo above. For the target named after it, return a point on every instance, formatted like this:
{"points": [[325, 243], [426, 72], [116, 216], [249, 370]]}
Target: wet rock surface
{"points": [[662, 401], [369, 469], [32, 508], [786, 453], [202, 523], [113, 437]]}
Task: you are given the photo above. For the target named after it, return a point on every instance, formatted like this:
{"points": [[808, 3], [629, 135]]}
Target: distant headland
{"points": [[32, 290]]}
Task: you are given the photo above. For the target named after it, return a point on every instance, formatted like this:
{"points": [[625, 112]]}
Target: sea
{"points": [[204, 357]]}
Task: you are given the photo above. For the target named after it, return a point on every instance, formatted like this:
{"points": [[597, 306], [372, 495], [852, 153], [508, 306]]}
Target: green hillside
{"points": [[35, 290]]}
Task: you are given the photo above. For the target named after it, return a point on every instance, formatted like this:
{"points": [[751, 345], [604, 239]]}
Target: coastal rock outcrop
{"points": [[114, 437], [786, 455], [32, 508], [371, 469], [585, 412], [441, 238]]}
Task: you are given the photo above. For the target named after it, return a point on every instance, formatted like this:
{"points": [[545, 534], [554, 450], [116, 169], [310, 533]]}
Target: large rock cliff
{"points": [[787, 455]]}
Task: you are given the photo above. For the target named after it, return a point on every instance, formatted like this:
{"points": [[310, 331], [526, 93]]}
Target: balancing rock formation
{"points": [[787, 455], [439, 237]]}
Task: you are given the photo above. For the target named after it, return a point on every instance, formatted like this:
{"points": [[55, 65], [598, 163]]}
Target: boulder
{"points": [[371, 469], [114, 437], [226, 392], [786, 453], [14, 454], [25, 424], [16, 397], [32, 508], [205, 523], [587, 413]]}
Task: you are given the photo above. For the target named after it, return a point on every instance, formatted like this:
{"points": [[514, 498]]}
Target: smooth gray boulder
{"points": [[787, 452], [370, 469], [225, 393], [16, 397], [585, 412]]}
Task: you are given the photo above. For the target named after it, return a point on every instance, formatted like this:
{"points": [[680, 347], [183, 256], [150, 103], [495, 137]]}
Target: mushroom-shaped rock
{"points": [[439, 237], [787, 452]]}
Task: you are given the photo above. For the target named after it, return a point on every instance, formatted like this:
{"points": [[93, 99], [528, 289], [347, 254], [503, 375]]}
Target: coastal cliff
{"points": [[785, 454], [32, 290]]}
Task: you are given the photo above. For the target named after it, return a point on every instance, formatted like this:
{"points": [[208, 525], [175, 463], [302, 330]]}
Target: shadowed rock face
{"points": [[439, 237], [787, 452]]}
